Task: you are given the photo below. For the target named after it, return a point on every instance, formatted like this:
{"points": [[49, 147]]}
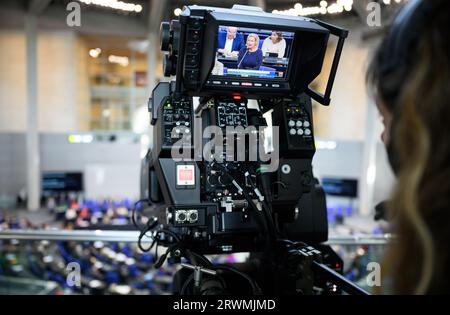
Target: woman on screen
{"points": [[274, 44], [250, 57]]}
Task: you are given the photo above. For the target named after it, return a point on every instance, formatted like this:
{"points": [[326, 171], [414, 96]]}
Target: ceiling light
{"points": [[120, 60], [115, 4], [94, 53]]}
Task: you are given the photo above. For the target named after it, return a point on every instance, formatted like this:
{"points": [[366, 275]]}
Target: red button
{"points": [[186, 175]]}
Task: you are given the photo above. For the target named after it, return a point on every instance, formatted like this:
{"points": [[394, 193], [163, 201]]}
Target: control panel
{"points": [[232, 114], [294, 119], [218, 183], [176, 122], [298, 122]]}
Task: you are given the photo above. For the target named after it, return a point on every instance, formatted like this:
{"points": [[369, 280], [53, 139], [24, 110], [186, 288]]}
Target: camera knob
{"points": [[164, 36], [293, 132], [168, 66], [291, 123]]}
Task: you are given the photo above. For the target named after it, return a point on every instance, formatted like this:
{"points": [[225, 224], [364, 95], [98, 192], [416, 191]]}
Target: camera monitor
{"points": [[244, 52], [217, 51]]}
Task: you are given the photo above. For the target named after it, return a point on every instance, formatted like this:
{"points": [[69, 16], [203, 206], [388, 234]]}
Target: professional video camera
{"points": [[209, 198]]}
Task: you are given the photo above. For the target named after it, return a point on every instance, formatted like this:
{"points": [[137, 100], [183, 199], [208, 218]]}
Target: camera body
{"points": [[221, 177]]}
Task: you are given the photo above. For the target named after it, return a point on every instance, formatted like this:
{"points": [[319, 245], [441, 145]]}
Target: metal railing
{"points": [[132, 236]]}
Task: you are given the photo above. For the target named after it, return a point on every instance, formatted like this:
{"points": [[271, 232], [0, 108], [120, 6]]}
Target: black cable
{"points": [[271, 240], [189, 253], [163, 257], [186, 283], [247, 198], [150, 226], [267, 210], [133, 213], [246, 195]]}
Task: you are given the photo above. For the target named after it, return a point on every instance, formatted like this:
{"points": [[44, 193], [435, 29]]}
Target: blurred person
{"points": [[231, 43], [218, 68], [274, 44], [410, 75], [250, 56]]}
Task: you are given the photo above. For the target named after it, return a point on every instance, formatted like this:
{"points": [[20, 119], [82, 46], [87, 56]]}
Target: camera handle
{"points": [[325, 99]]}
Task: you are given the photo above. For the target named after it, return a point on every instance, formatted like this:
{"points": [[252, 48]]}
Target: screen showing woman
{"points": [[250, 56], [263, 53]]}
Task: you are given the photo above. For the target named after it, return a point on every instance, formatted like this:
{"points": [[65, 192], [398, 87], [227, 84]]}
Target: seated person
{"points": [[274, 44], [250, 57], [230, 44]]}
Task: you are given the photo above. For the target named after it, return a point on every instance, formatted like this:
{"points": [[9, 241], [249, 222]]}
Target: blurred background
{"points": [[74, 126]]}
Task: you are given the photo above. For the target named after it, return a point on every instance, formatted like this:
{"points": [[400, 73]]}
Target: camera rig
{"points": [[209, 198]]}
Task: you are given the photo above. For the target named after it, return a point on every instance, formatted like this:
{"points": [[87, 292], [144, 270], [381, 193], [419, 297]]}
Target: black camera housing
{"points": [[217, 208]]}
